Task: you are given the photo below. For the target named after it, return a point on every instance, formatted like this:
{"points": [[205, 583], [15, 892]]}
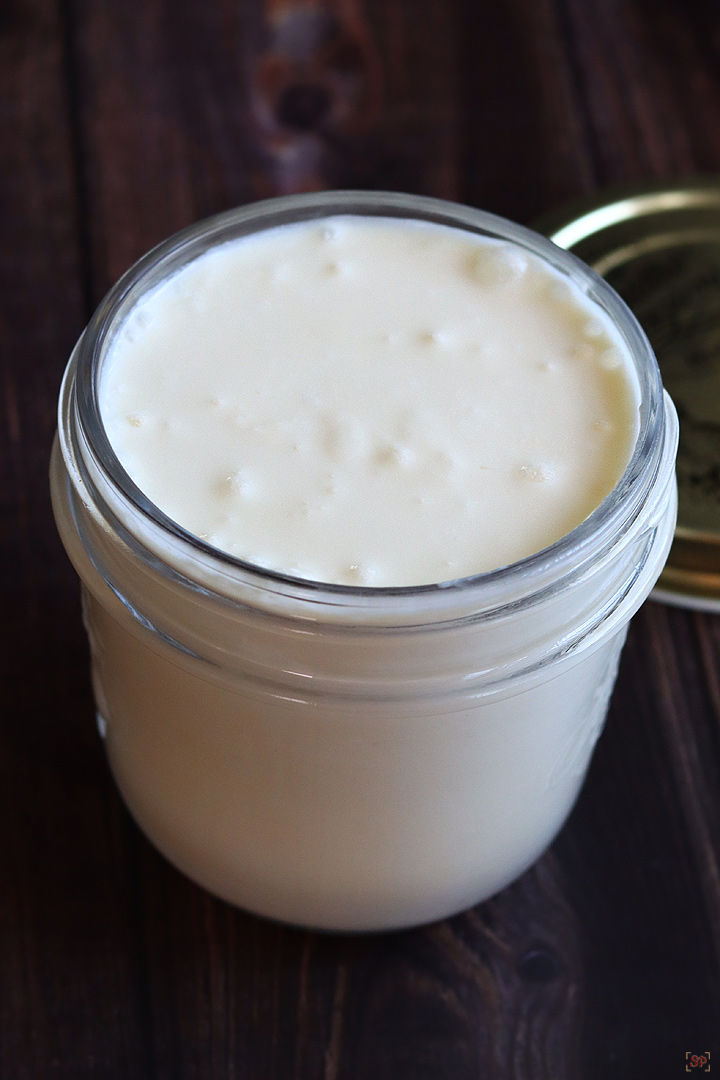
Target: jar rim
{"points": [[566, 556]]}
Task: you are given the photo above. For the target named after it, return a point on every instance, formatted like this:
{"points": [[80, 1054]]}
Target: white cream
{"points": [[345, 759], [371, 401]]}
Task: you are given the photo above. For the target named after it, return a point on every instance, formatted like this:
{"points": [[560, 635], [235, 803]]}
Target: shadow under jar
{"points": [[338, 757]]}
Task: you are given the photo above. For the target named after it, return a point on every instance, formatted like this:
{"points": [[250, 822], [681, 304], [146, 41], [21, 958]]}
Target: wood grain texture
{"points": [[635, 856], [635, 66], [65, 942], [119, 124], [524, 146]]}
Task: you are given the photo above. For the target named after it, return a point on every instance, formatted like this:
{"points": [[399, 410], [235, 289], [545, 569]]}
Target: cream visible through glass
{"points": [[371, 401], [368, 401]]}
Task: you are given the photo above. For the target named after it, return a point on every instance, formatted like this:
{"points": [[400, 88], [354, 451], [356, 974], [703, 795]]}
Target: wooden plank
{"points": [[353, 95], [524, 146], [187, 109], [65, 934], [635, 859], [649, 81]]}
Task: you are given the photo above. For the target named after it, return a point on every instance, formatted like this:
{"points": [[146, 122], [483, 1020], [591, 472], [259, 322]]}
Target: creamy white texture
{"points": [[371, 401]]}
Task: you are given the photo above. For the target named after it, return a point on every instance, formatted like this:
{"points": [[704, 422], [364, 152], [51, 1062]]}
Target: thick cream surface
{"points": [[371, 401]]}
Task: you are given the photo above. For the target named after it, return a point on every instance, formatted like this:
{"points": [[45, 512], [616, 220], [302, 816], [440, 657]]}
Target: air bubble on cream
{"points": [[496, 264], [392, 455], [359, 574], [332, 438], [341, 438], [442, 462], [560, 292], [234, 484], [583, 352], [610, 359], [593, 328], [538, 473], [435, 337], [329, 233]]}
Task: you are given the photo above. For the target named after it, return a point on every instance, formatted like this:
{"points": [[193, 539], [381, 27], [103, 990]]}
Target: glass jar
{"points": [[339, 757]]}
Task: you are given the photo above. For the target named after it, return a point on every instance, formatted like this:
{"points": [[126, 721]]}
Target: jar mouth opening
{"points": [[611, 518]]}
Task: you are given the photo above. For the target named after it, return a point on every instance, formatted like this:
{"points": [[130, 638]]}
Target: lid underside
{"points": [[660, 250]]}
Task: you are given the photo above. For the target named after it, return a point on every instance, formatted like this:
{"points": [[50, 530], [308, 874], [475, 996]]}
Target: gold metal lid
{"points": [[659, 247]]}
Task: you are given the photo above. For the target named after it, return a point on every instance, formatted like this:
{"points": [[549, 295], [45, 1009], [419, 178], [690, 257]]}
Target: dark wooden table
{"points": [[121, 122]]}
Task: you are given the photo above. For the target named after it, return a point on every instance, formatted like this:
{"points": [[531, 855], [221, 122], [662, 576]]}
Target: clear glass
{"points": [[345, 757]]}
